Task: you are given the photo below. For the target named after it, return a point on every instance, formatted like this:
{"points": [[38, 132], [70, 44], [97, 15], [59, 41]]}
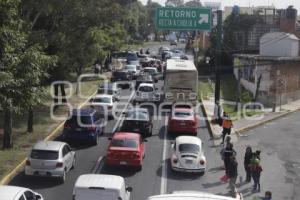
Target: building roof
{"points": [[100, 181], [266, 58], [277, 36]]}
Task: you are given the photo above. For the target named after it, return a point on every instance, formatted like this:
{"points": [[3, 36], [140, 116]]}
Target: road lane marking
{"points": [[163, 182], [97, 165], [121, 118]]}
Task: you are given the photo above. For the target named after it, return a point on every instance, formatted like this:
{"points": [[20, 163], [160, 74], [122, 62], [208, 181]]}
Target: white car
{"points": [[187, 155], [132, 69], [101, 187], [104, 103], [18, 193], [50, 159], [146, 92], [192, 195]]}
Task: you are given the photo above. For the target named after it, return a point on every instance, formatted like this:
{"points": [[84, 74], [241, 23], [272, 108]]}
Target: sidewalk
{"points": [[242, 125]]}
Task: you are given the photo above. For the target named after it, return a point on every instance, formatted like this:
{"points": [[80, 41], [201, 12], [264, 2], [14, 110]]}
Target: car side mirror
{"points": [[129, 189]]}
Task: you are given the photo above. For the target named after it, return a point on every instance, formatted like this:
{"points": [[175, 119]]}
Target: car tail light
{"points": [[202, 162], [67, 126], [136, 155], [92, 128], [28, 162], [59, 164], [147, 124], [109, 107]]}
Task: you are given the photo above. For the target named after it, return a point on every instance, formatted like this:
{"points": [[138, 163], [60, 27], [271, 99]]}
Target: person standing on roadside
{"points": [[256, 170], [227, 153], [247, 161], [226, 125], [232, 174]]}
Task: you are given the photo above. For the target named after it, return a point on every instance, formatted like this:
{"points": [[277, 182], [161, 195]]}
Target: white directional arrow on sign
{"points": [[203, 18]]}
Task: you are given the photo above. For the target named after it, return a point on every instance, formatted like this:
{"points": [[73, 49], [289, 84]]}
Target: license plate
{"points": [[78, 129], [136, 129], [123, 163], [182, 124]]}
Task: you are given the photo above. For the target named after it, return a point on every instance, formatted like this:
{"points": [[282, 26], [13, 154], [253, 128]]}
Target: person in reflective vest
{"points": [[226, 125]]}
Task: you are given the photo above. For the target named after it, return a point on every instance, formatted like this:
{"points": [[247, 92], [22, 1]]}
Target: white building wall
{"points": [[279, 44]]}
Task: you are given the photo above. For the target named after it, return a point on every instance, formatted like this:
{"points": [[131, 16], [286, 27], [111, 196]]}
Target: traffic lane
{"points": [[193, 181], [279, 144], [145, 182], [88, 161]]}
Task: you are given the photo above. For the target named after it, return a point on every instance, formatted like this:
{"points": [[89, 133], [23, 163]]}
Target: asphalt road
{"points": [[278, 141]]}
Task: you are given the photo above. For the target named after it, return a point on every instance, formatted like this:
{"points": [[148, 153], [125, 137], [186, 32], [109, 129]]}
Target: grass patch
{"points": [[43, 125], [205, 89]]}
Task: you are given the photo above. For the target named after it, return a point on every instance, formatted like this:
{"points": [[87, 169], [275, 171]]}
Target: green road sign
{"points": [[173, 18]]}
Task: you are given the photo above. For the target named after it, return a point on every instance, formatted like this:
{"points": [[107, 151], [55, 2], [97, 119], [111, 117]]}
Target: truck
{"points": [[181, 82]]}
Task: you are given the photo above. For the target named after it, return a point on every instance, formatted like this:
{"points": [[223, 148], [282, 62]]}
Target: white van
{"points": [[18, 193], [101, 187], [181, 81], [192, 195]]}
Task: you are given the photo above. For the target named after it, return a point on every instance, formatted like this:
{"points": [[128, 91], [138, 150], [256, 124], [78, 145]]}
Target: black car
{"points": [[144, 78], [84, 124], [121, 75], [138, 120]]}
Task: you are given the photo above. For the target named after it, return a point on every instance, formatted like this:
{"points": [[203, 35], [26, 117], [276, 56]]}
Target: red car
{"points": [[126, 149], [183, 120]]}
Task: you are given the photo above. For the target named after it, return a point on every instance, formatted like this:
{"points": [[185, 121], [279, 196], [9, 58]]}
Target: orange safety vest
{"points": [[226, 123]]}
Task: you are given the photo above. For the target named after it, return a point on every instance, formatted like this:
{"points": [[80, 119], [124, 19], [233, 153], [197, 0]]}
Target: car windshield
{"points": [[146, 89], [44, 155], [137, 115], [151, 71], [130, 67], [189, 148], [124, 143], [119, 74], [182, 114], [102, 100]]}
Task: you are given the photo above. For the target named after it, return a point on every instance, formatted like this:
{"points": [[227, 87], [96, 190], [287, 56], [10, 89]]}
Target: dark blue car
{"points": [[83, 125]]}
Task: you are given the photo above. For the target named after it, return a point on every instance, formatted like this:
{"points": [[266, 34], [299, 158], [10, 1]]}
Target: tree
{"points": [[175, 3], [193, 3]]}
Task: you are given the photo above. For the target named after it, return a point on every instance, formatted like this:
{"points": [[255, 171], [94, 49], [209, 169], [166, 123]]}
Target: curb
{"points": [[246, 128], [6, 179], [206, 119]]}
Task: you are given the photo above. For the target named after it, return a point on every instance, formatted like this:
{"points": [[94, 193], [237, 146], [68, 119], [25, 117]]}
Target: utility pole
{"points": [[218, 64]]}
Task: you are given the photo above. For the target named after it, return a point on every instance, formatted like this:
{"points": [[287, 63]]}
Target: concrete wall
{"points": [[278, 44]]}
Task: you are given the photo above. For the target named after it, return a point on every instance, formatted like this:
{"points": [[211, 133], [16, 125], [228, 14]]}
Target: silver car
{"points": [[50, 159]]}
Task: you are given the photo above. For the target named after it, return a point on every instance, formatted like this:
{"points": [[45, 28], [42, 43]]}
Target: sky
{"points": [[246, 3]]}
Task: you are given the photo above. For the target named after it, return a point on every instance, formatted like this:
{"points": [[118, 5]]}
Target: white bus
{"points": [[181, 81]]}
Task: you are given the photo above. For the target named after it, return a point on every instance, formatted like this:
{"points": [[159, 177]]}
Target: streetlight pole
{"points": [[218, 64]]}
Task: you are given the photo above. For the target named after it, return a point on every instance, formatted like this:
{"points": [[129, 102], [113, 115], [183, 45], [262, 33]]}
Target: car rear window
{"points": [[124, 143], [119, 74], [189, 148], [182, 114], [102, 100], [86, 120], [44, 155], [146, 89], [137, 115]]}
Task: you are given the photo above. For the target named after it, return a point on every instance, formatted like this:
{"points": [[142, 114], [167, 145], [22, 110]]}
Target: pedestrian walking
{"points": [[232, 174], [226, 125], [256, 170], [247, 161], [227, 153]]}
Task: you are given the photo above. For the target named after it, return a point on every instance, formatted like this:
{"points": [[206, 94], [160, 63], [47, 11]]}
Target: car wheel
{"points": [[139, 168], [63, 177], [73, 163]]}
